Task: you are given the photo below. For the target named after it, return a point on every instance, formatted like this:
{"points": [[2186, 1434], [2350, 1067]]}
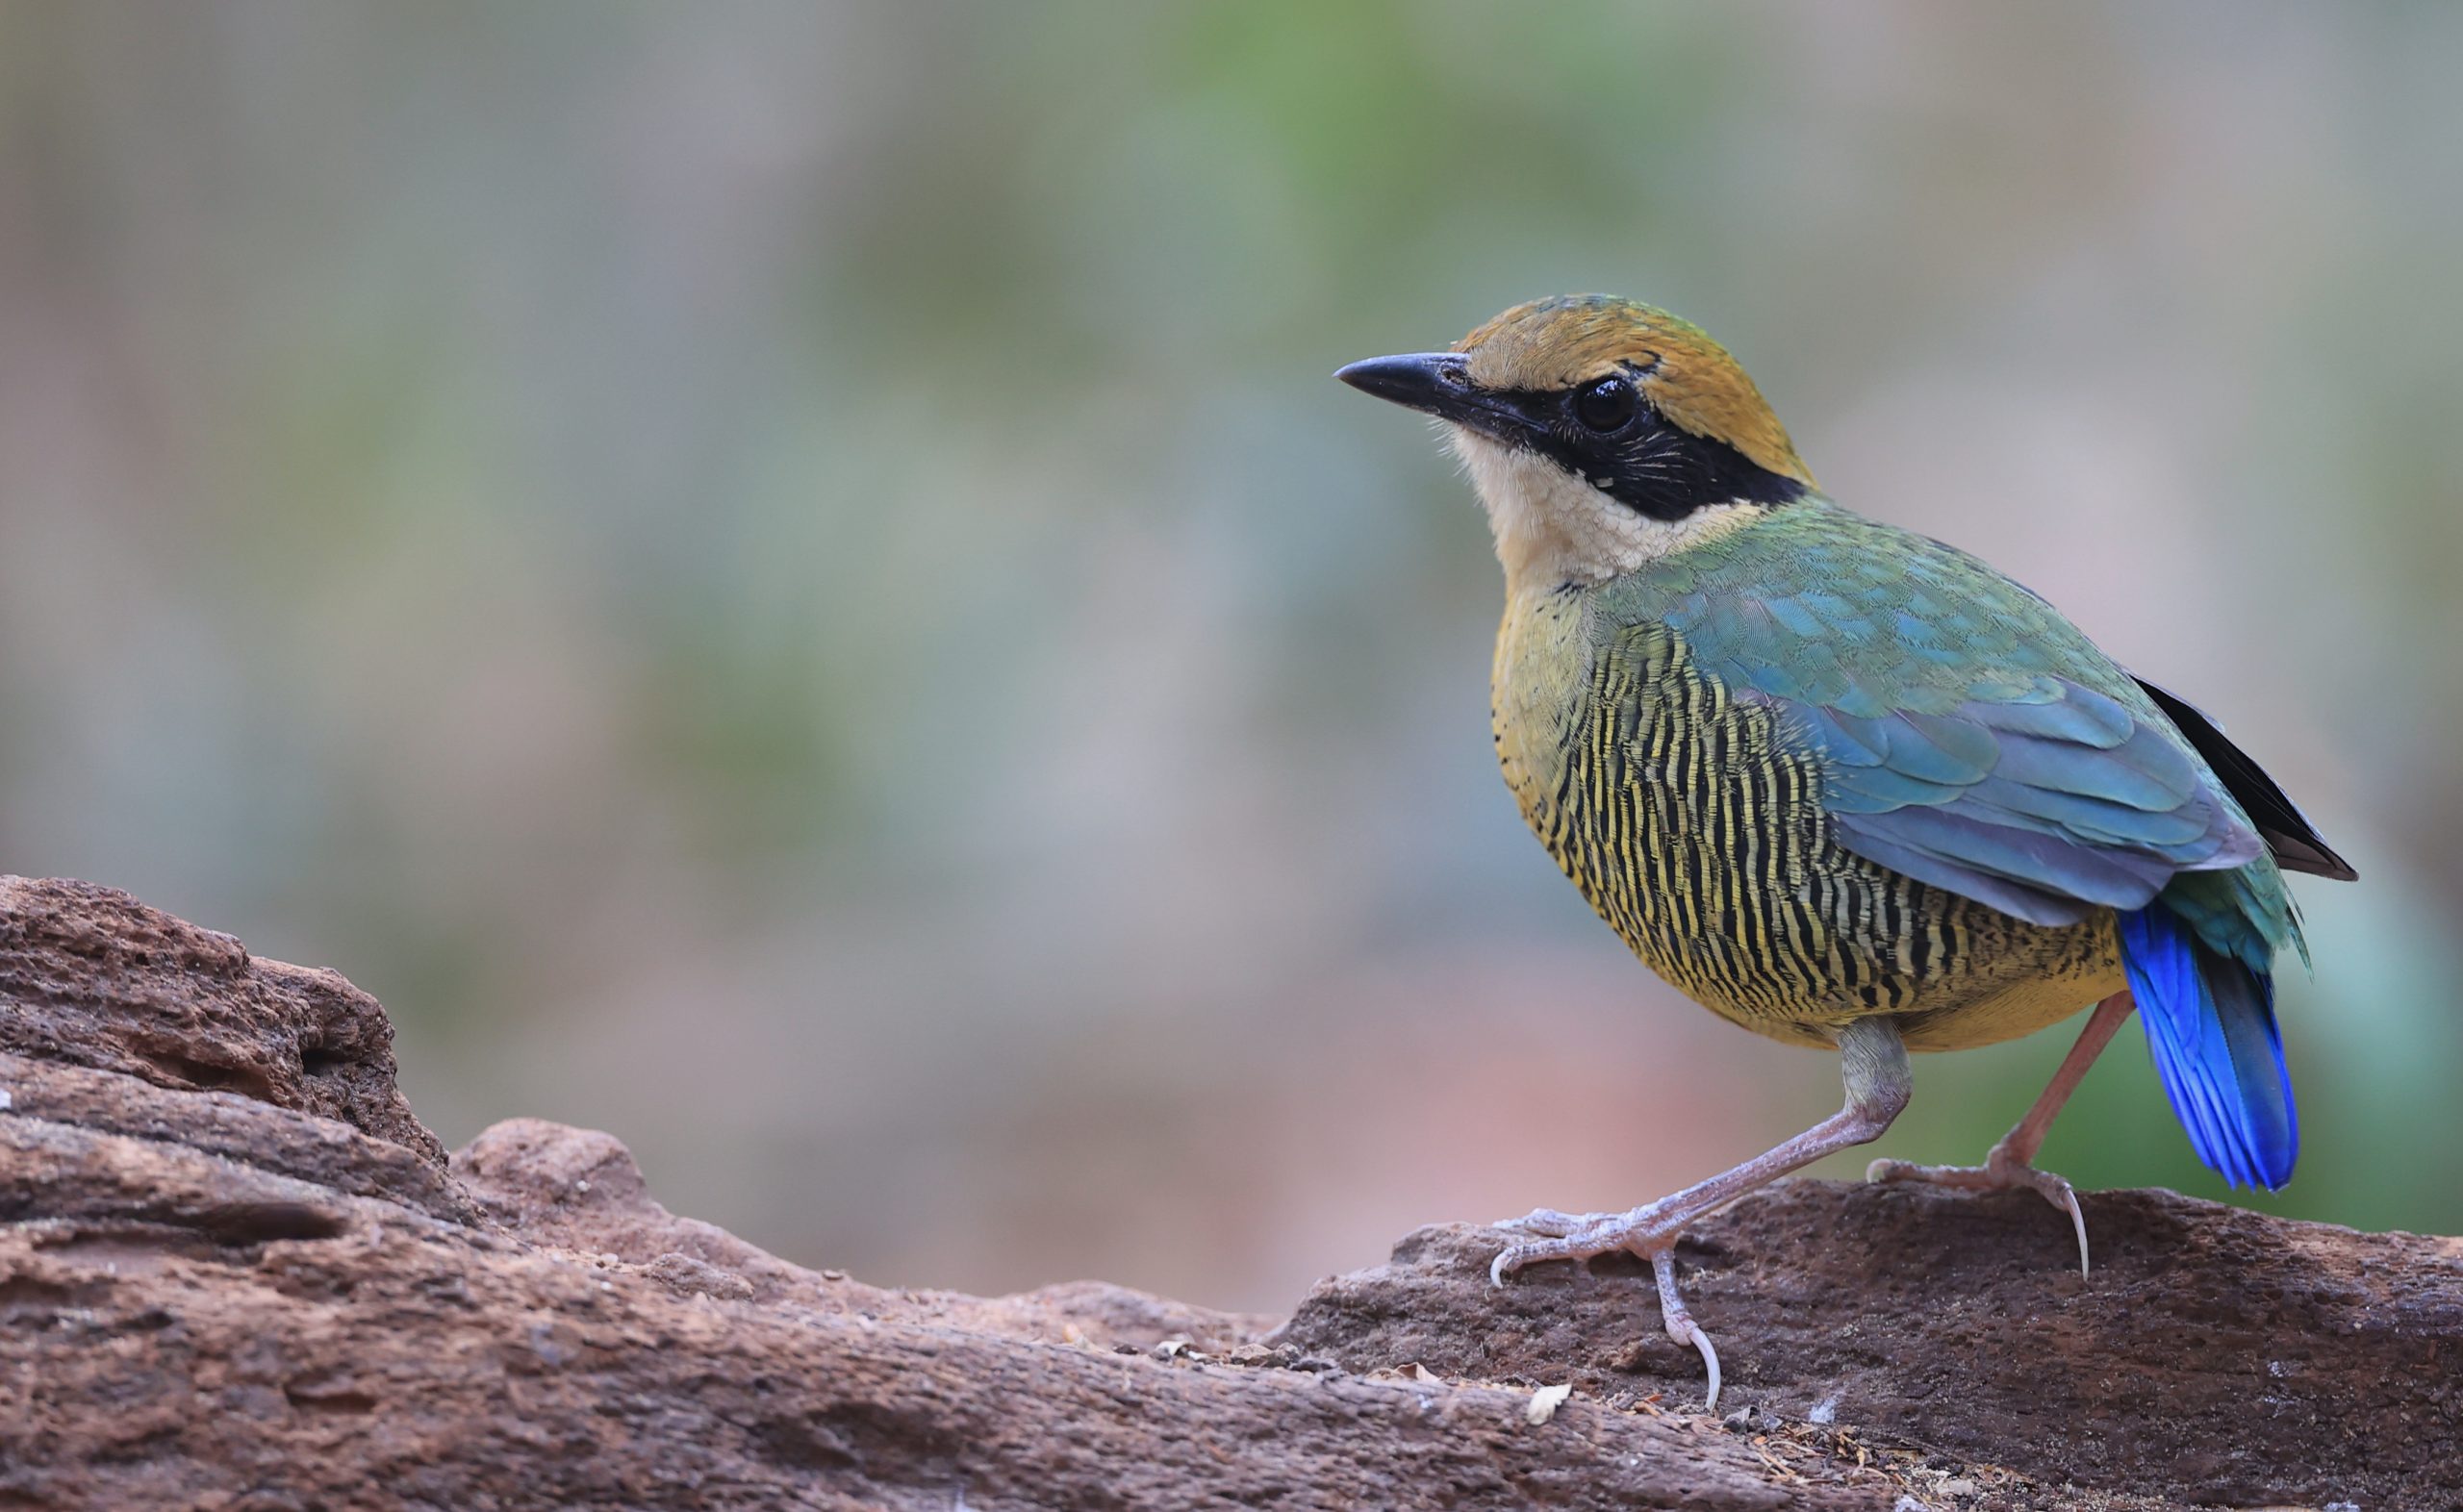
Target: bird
{"points": [[1843, 784]]}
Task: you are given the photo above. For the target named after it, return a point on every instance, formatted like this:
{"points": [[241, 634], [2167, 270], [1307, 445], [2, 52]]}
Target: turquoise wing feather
{"points": [[1971, 736]]}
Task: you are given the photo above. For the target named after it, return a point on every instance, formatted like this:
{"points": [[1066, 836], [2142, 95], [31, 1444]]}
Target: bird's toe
{"points": [[2002, 1170], [1549, 1224]]}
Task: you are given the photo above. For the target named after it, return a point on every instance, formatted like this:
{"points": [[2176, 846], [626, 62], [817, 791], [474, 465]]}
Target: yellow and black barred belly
{"points": [[1694, 827]]}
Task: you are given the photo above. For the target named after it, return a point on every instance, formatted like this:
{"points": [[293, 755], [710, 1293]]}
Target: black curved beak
{"points": [[1416, 381], [1434, 383]]}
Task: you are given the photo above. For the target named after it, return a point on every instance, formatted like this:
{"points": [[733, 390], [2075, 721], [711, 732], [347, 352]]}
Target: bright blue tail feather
{"points": [[2210, 1027]]}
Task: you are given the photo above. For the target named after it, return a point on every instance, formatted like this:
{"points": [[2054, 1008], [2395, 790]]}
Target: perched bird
{"points": [[1843, 784]]}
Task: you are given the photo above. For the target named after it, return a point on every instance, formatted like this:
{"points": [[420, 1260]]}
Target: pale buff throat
{"points": [[1553, 528]]}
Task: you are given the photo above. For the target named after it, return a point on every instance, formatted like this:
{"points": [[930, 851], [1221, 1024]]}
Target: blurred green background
{"points": [[787, 580]]}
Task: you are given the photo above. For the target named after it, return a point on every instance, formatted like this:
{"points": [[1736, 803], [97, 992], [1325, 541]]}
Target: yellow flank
{"points": [[1699, 837], [1558, 343]]}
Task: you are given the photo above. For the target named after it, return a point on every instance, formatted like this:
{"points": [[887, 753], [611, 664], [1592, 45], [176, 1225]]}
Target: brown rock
{"points": [[2215, 1355], [234, 1273], [94, 977]]}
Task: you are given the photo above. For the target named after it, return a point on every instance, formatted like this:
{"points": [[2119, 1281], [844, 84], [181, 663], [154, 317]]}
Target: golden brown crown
{"points": [[1557, 343]]}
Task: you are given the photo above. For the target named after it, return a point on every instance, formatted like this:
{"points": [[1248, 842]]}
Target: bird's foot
{"points": [[1579, 1236], [2003, 1169], [1648, 1231], [1549, 1224]]}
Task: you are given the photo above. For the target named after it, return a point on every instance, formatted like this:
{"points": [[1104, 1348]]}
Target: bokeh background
{"points": [[787, 580]]}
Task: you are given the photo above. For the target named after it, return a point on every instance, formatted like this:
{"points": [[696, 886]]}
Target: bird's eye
{"points": [[1607, 405]]}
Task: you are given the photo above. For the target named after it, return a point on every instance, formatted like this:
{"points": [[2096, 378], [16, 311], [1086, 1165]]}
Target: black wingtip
{"points": [[2295, 843], [2305, 854]]}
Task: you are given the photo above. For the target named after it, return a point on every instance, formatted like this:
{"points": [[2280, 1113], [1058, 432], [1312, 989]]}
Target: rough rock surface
{"points": [[235, 1272], [2215, 1355]]}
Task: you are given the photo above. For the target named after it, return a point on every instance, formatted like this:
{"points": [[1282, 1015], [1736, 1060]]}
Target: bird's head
{"points": [[1601, 434]]}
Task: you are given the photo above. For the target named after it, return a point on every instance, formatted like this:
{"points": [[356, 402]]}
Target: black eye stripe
{"points": [[1647, 463]]}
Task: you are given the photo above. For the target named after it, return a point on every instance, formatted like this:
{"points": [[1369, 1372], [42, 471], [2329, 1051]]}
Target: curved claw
{"points": [[1513, 1257], [2000, 1172], [2068, 1198], [1681, 1326], [1629, 1233]]}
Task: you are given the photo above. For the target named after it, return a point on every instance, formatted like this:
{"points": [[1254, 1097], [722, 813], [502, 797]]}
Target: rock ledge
{"points": [[237, 1273]]}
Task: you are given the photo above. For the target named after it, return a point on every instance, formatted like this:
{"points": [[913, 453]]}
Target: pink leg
{"points": [[2011, 1162], [1873, 1063]]}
